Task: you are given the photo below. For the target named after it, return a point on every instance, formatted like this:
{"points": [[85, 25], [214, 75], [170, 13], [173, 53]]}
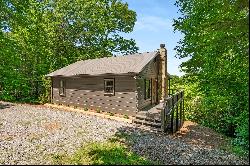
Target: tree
{"points": [[216, 40], [39, 36]]}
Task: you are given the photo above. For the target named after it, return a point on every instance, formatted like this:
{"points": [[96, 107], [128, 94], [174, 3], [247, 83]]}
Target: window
{"points": [[147, 91], [109, 87], [62, 88]]}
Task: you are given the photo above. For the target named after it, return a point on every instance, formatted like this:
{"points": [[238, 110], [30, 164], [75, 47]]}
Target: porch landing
{"points": [[150, 116]]}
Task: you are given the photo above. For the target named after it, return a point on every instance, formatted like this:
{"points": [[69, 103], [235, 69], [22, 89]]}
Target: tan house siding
{"points": [[149, 72], [84, 82], [89, 92]]}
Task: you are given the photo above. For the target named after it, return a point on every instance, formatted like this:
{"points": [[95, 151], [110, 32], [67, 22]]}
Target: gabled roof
{"points": [[110, 65]]}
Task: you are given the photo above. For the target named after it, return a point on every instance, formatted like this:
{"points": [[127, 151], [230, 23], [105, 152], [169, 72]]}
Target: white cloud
{"points": [[153, 24]]}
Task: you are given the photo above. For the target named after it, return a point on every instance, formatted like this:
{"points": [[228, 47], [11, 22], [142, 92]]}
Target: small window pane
{"points": [[109, 90], [109, 83], [109, 86]]}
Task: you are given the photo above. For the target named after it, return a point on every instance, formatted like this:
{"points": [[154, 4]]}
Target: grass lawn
{"points": [[112, 152]]}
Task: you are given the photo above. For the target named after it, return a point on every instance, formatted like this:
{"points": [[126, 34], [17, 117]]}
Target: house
{"points": [[123, 84]]}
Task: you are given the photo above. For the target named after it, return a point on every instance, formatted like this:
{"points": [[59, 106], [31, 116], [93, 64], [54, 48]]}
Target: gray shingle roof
{"points": [[109, 65]]}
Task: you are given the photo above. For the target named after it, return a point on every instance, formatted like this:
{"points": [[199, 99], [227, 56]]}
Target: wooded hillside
{"points": [[216, 39], [38, 37]]}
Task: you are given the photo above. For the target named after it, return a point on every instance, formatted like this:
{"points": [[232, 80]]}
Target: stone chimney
{"points": [[163, 71]]}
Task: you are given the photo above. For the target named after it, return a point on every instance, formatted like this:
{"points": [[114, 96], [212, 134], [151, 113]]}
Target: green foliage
{"points": [[107, 153], [38, 37], [216, 43], [98, 110], [125, 116], [59, 159], [192, 95], [45, 96], [111, 114]]}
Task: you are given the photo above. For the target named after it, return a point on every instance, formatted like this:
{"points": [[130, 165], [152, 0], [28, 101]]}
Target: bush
{"points": [[111, 114], [224, 113], [242, 134], [125, 116], [98, 110], [45, 95]]}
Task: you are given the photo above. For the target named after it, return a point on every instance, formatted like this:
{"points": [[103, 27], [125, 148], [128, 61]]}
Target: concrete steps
{"points": [[148, 118], [147, 123]]}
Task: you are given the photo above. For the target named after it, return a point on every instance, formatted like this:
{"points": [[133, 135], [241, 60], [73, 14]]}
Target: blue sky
{"points": [[154, 26]]}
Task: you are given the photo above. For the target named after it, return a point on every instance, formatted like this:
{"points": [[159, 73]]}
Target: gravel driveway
{"points": [[31, 134]]}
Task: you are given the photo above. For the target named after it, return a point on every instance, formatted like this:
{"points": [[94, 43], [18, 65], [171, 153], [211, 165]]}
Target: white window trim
{"points": [[113, 92]]}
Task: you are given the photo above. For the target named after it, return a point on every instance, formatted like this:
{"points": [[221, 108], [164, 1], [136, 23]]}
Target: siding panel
{"points": [[89, 92]]}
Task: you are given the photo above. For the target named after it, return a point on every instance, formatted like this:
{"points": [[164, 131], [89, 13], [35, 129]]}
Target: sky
{"points": [[154, 27]]}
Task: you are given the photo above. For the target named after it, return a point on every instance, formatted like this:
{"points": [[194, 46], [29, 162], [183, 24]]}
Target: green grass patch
{"points": [[107, 153], [125, 116], [240, 151], [60, 159], [111, 114], [231, 148], [98, 110]]}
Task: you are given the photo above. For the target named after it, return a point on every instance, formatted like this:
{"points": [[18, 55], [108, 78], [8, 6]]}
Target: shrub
{"points": [[98, 110], [111, 114], [125, 116], [85, 109]]}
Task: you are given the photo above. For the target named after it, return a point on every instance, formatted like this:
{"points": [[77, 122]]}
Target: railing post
{"points": [[181, 108], [177, 118], [172, 116], [163, 119]]}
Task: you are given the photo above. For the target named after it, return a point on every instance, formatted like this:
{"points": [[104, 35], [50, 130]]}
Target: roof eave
{"points": [[156, 53], [103, 74]]}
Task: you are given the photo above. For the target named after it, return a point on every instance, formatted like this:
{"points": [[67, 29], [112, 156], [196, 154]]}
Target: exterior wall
{"points": [[89, 92], [149, 72]]}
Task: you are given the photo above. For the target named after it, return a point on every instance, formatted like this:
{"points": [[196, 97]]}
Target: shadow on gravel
{"points": [[146, 143], [3, 106], [193, 145], [195, 134]]}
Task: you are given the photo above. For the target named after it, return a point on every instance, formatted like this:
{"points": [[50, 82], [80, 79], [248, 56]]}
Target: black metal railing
{"points": [[172, 114], [171, 91]]}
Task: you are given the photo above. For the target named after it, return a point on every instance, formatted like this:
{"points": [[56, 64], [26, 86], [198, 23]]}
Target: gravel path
{"points": [[170, 150], [29, 134], [32, 134]]}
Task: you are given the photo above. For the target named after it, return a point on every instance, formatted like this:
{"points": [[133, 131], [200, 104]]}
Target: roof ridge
{"points": [[132, 63], [140, 67], [78, 62]]}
